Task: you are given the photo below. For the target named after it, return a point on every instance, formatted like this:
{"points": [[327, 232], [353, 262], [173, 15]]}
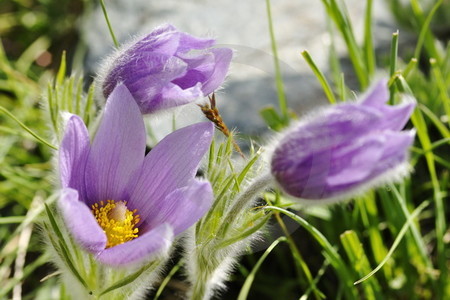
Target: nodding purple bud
{"points": [[345, 149], [166, 68]]}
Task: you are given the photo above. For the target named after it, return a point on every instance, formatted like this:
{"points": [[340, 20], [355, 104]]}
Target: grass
{"points": [[391, 243]]}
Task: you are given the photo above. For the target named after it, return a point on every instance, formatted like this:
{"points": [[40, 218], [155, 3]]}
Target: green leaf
{"points": [[62, 70], [128, 279], [272, 119], [323, 81]]}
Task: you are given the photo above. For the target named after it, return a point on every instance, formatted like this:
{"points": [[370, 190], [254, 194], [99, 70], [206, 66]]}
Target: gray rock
{"points": [[243, 26]]}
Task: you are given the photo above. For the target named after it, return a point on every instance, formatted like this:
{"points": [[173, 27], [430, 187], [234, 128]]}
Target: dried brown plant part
{"points": [[211, 112]]}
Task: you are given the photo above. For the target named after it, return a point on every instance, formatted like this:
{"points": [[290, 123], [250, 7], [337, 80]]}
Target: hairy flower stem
{"points": [[211, 264], [199, 289], [256, 187]]}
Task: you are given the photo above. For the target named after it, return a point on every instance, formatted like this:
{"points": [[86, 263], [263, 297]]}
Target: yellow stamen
{"points": [[117, 221]]}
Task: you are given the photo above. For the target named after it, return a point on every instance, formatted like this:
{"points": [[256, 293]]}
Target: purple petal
{"points": [[73, 155], [170, 165], [337, 170], [172, 95], [140, 250], [392, 117], [133, 69], [355, 162], [189, 42], [372, 157], [200, 67], [395, 151], [164, 40], [222, 58], [378, 95], [81, 222], [117, 150], [395, 117], [183, 207]]}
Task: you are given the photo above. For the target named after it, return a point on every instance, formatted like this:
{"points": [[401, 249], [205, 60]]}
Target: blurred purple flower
{"points": [[345, 148], [166, 68], [120, 205]]}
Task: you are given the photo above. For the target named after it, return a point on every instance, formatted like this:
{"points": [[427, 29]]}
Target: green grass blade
{"points": [[323, 81], [329, 251], [249, 280], [278, 78], [397, 240], [167, 279], [358, 258], [27, 129], [111, 31], [369, 49], [424, 36]]}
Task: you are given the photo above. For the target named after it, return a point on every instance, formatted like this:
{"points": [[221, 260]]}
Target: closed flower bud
{"points": [[166, 68], [345, 149]]}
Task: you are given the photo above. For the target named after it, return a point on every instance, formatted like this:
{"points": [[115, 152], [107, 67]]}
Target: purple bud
{"points": [[345, 149], [166, 68]]}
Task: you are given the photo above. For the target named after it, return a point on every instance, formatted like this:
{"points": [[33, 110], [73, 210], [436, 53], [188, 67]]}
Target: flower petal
{"points": [[394, 117], [164, 40], [136, 73], [222, 58], [172, 95], [343, 149], [73, 154], [199, 66], [188, 42], [183, 207], [117, 150], [140, 250], [371, 158], [378, 95], [81, 222], [337, 170], [170, 165], [391, 117]]}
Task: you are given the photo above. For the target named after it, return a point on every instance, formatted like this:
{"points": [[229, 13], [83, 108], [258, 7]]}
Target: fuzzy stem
{"points": [[199, 289], [202, 285], [256, 187]]}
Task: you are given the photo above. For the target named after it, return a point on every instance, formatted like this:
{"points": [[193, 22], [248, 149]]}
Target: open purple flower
{"points": [[345, 148], [120, 205], [166, 68]]}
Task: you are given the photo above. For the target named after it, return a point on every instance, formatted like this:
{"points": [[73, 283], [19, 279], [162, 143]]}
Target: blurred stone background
{"points": [[243, 26]]}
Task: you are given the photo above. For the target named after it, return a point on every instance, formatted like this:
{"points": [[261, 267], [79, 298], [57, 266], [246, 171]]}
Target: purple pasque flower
{"points": [[166, 68], [120, 205], [345, 148]]}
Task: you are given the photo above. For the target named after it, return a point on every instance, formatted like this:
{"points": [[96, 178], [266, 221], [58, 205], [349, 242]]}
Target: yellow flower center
{"points": [[117, 221]]}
